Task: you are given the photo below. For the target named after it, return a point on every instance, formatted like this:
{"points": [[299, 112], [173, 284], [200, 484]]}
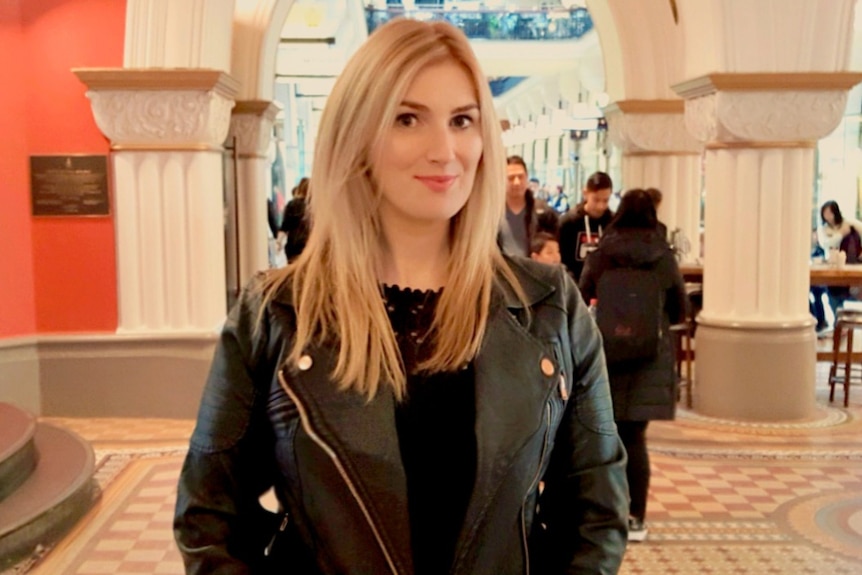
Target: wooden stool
{"points": [[846, 323], [682, 333]]}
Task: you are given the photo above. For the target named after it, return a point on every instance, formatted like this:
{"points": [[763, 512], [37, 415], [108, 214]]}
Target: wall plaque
{"points": [[73, 185]]}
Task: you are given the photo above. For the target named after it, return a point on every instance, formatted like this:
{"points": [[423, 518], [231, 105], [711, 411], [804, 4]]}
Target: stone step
{"points": [[58, 492], [17, 449]]}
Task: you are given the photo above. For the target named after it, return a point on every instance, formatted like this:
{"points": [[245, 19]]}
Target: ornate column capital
{"points": [[765, 110], [650, 127], [251, 123], [158, 109]]}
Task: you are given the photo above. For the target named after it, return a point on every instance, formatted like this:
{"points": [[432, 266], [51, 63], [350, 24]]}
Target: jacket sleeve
{"points": [[219, 525], [568, 242], [584, 505], [589, 277]]}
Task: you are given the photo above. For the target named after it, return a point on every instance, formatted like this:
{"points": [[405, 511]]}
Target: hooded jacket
{"points": [[646, 389], [543, 412]]}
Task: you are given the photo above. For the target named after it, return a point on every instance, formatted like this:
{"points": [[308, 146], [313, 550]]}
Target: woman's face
{"points": [[427, 161], [828, 216]]}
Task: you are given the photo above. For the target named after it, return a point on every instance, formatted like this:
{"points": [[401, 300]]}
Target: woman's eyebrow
{"points": [[424, 108]]}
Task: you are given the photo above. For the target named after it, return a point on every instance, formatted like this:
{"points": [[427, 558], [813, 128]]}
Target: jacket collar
{"points": [[534, 288]]}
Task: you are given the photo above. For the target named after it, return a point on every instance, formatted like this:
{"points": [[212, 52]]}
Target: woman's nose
{"points": [[441, 145]]}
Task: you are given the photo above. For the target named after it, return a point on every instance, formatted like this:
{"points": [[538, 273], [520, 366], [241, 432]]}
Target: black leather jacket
{"points": [[543, 412]]}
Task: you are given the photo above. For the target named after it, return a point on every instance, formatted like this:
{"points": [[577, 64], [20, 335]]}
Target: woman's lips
{"points": [[437, 183]]}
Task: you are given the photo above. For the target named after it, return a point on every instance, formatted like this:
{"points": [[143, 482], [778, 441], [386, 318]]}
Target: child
{"points": [[545, 248]]}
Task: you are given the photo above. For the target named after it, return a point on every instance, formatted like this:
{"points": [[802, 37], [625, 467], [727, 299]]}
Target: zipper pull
{"points": [[564, 391], [284, 521]]}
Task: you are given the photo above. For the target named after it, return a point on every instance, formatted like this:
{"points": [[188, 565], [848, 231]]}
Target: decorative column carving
{"points": [[251, 129], [659, 152], [755, 330], [167, 129]]}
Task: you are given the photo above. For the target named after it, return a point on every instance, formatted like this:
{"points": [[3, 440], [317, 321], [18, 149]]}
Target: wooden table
{"points": [[821, 274], [846, 275]]}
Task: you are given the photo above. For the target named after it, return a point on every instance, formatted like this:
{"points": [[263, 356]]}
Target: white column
{"points": [[658, 152], [166, 129], [251, 125], [755, 342], [179, 34]]}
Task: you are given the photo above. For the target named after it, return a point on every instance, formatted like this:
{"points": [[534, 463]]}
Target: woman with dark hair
{"points": [[836, 228], [643, 387], [839, 235]]}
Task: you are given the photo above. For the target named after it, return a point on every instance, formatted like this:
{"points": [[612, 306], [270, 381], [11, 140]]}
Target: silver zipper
{"points": [[533, 485], [285, 520], [306, 425]]}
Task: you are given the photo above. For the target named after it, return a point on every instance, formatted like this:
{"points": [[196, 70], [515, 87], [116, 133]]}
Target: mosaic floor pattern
{"points": [[726, 497]]}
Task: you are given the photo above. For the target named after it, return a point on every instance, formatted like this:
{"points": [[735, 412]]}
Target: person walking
{"points": [[643, 386], [295, 222], [582, 227], [525, 214]]}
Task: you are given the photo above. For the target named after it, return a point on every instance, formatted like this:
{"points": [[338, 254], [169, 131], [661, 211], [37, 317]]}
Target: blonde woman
{"points": [[402, 385]]}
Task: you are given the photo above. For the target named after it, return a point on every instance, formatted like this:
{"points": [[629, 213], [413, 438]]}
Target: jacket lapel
{"points": [[511, 395], [363, 436]]}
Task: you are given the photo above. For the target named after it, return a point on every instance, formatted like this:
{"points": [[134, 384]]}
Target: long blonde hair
{"points": [[335, 287]]}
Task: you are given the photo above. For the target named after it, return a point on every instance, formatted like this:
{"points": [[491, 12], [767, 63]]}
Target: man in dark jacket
{"points": [[525, 214], [581, 227]]}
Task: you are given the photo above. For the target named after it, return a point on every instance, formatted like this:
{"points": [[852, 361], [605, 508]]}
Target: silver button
{"points": [[305, 362]]}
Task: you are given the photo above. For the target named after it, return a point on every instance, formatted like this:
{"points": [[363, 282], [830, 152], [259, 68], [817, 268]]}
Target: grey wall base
{"points": [[106, 375], [19, 374]]}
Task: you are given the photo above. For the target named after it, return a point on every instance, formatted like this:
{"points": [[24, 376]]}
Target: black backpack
{"points": [[629, 313]]}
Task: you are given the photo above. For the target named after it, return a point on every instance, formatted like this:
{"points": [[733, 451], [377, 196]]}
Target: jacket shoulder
{"points": [[540, 282], [572, 217]]}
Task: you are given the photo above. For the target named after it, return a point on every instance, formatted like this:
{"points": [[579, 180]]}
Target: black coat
{"points": [[543, 411], [646, 389], [295, 223]]}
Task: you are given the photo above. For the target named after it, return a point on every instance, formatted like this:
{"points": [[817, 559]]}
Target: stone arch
{"points": [[256, 31], [642, 46]]}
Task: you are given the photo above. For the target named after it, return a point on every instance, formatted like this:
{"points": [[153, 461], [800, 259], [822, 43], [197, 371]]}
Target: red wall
{"points": [[71, 270], [17, 306]]}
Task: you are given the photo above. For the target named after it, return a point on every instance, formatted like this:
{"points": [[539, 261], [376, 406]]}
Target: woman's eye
{"points": [[462, 121], [407, 120]]}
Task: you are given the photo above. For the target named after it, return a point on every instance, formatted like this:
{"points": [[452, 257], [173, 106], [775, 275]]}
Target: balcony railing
{"points": [[489, 24]]}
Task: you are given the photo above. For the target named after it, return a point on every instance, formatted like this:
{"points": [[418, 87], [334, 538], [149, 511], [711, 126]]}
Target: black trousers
{"points": [[633, 435]]}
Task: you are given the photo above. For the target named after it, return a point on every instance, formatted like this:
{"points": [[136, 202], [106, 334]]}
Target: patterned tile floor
{"points": [[726, 497]]}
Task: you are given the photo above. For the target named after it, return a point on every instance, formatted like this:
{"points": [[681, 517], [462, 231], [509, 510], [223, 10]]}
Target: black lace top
{"points": [[436, 432]]}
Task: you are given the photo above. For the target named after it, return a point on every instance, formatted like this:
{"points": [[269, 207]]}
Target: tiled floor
{"points": [[726, 498]]}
